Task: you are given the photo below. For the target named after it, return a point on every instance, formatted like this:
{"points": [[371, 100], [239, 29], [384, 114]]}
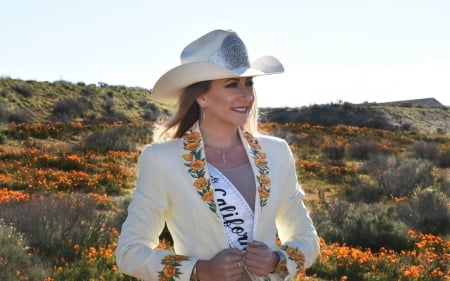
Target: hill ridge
{"points": [[35, 101]]}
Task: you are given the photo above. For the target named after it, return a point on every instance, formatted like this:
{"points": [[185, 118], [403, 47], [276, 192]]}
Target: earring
{"points": [[204, 114]]}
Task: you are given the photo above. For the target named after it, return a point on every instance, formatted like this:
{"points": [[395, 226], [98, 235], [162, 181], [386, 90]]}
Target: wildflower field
{"points": [[379, 199]]}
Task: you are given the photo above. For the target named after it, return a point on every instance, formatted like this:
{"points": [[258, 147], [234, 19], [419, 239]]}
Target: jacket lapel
{"points": [[260, 166], [195, 163]]}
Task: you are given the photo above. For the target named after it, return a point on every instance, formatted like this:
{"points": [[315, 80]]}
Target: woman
{"points": [[225, 192]]}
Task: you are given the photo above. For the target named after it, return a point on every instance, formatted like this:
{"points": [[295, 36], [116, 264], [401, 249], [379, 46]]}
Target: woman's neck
{"points": [[219, 137], [223, 147]]}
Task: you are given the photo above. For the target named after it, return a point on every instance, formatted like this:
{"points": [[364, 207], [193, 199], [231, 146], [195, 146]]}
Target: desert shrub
{"points": [[365, 225], [151, 111], [109, 103], [376, 164], [404, 175], [334, 152], [89, 90], [116, 139], [150, 115], [54, 224], [425, 150], [69, 108], [121, 204], [362, 149], [445, 186], [441, 131], [110, 116], [3, 136], [69, 232], [362, 191], [4, 112], [16, 263], [394, 177], [430, 212], [328, 221], [143, 133], [374, 226], [23, 90], [406, 127], [3, 91], [443, 159], [19, 115]]}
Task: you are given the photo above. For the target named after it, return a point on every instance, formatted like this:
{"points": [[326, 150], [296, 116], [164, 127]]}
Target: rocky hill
{"points": [[33, 101]]}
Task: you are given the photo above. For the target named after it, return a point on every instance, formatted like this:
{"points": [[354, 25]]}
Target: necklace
{"points": [[222, 153]]}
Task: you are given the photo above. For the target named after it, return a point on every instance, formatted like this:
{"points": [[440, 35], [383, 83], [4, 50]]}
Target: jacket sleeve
{"points": [[136, 254], [300, 242]]}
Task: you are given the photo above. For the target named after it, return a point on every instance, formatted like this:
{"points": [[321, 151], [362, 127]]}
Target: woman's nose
{"points": [[246, 92]]}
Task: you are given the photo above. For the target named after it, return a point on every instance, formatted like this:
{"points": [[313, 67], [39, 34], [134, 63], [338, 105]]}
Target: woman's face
{"points": [[228, 100]]}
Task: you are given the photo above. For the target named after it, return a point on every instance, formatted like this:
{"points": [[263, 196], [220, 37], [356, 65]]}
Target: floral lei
{"points": [[196, 164]]}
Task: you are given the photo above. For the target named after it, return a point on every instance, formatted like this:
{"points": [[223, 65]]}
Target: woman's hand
{"points": [[259, 259], [227, 265]]}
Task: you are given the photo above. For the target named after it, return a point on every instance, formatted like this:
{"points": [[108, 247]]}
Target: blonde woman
{"points": [[225, 191]]}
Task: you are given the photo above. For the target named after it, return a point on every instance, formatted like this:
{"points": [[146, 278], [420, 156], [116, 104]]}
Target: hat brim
{"points": [[169, 86]]}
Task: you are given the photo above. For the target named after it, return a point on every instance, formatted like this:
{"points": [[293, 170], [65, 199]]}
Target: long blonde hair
{"points": [[188, 112]]}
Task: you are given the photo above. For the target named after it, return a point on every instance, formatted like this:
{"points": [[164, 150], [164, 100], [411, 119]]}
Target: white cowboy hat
{"points": [[216, 55]]}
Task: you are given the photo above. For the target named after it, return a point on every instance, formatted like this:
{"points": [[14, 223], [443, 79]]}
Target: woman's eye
{"points": [[231, 85], [249, 83]]}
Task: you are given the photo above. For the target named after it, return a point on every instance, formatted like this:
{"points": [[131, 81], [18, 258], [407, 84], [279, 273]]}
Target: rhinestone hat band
{"points": [[232, 55]]}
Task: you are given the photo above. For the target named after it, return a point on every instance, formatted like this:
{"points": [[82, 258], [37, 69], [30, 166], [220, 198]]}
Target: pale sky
{"points": [[332, 50]]}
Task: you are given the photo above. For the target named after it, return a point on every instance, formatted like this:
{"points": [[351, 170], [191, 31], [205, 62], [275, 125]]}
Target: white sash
{"points": [[237, 216]]}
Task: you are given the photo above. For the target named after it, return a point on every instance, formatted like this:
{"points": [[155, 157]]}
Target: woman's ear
{"points": [[201, 100]]}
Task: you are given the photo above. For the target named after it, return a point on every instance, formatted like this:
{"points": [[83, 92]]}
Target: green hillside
{"points": [[376, 178], [394, 118], [33, 101]]}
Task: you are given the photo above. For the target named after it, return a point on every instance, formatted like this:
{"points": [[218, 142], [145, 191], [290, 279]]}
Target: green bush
{"points": [[362, 225], [115, 139], [374, 226], [363, 149], [48, 223], [334, 152], [3, 137], [23, 89], [425, 150], [151, 111], [16, 261], [68, 232], [430, 211], [444, 159], [402, 176], [362, 191], [445, 186], [375, 164], [4, 112], [328, 221], [69, 108], [19, 115]]}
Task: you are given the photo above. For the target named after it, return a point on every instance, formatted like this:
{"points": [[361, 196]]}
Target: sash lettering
{"points": [[237, 217]]}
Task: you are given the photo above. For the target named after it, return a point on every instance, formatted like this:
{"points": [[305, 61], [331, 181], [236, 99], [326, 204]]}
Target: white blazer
{"points": [[173, 186]]}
